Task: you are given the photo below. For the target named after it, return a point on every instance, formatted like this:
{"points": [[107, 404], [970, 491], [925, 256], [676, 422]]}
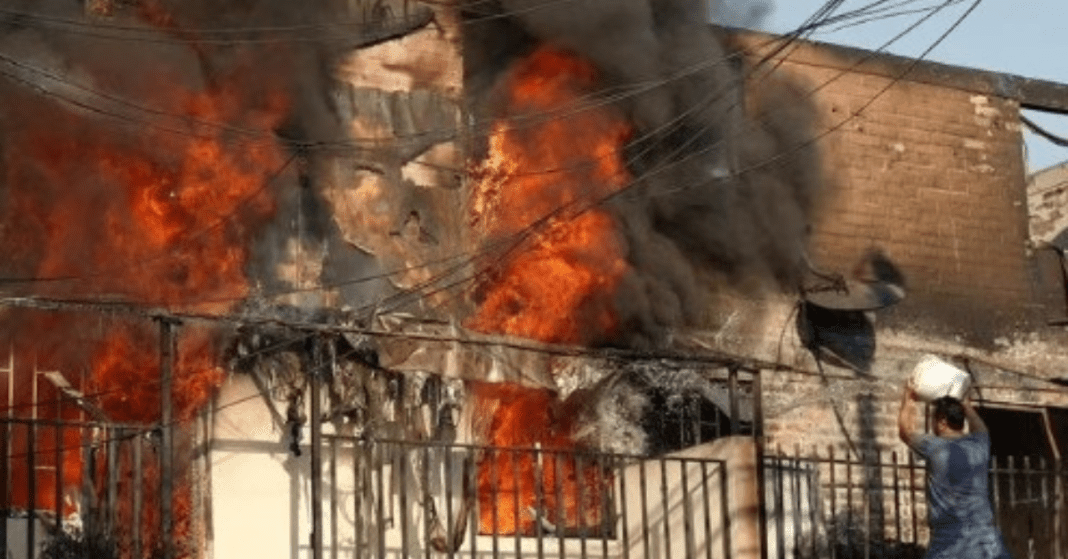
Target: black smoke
{"points": [[726, 175]]}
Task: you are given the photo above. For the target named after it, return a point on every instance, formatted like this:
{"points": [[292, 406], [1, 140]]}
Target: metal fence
{"points": [[874, 505], [408, 499], [70, 488]]}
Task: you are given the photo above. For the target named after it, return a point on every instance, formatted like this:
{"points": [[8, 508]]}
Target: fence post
{"points": [[1058, 508], [5, 444], [167, 358], [758, 441], [832, 540], [316, 450]]}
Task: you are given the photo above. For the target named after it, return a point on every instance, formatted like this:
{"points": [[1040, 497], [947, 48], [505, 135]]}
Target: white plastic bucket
{"points": [[933, 378]]}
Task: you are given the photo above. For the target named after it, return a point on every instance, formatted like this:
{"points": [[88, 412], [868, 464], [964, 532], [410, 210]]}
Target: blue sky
{"points": [[1023, 37]]}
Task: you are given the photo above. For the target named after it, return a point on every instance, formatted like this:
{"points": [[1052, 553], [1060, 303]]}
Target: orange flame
{"points": [[518, 489], [551, 161], [161, 219]]}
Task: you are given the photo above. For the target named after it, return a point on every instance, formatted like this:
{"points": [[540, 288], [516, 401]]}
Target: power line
{"points": [[523, 234]]}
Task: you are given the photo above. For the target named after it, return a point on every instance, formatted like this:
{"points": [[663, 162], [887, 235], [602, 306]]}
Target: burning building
{"points": [[493, 277]]}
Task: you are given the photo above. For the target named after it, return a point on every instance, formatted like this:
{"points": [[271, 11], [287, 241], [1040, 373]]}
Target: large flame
{"points": [[162, 217], [518, 490], [552, 158]]}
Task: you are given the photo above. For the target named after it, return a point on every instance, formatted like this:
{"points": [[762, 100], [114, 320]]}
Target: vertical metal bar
{"points": [[88, 489], [539, 500], [316, 423], [912, 499], [1025, 479], [59, 460], [795, 498], [780, 509], [1046, 505], [471, 495], [1012, 484], [113, 436], [664, 503], [1058, 508], [758, 436], [812, 479], [428, 503], [707, 509], [138, 476], [401, 464], [580, 508], [619, 467], [832, 538], [495, 488], [724, 488], [167, 358], [558, 488], [687, 510], [378, 465], [604, 490], [515, 495], [446, 453], [31, 472], [732, 388], [5, 447], [359, 521], [333, 499], [695, 408], [849, 504], [643, 489], [897, 497], [865, 500]]}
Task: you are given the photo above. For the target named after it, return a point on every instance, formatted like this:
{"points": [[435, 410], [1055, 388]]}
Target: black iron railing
{"points": [[412, 499], [837, 504]]}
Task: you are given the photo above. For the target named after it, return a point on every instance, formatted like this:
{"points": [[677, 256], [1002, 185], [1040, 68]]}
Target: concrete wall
{"points": [[260, 503]]}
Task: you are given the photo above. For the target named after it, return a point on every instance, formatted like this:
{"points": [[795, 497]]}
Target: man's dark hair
{"points": [[950, 409]]}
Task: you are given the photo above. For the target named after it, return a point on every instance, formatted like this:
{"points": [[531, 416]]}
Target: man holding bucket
{"points": [[959, 511]]}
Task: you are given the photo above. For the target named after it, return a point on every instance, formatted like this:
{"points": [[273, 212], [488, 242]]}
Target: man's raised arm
{"points": [[975, 423], [906, 417]]}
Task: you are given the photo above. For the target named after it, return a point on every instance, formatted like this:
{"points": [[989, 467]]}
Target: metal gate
{"points": [[387, 498]]}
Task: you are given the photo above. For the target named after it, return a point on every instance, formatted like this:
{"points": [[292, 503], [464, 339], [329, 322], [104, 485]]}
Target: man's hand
{"points": [[906, 417], [975, 423], [909, 392]]}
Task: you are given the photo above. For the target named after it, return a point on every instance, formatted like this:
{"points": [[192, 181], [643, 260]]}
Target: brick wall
{"points": [[927, 169], [924, 162]]}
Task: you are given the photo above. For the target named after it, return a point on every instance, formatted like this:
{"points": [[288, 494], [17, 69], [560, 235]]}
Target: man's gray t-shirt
{"points": [[962, 522]]}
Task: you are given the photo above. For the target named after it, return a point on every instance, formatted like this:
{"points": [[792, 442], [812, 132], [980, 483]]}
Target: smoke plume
{"points": [[724, 181]]}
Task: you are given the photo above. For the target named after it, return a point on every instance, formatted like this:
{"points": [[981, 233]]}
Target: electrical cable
{"points": [[543, 220]]}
